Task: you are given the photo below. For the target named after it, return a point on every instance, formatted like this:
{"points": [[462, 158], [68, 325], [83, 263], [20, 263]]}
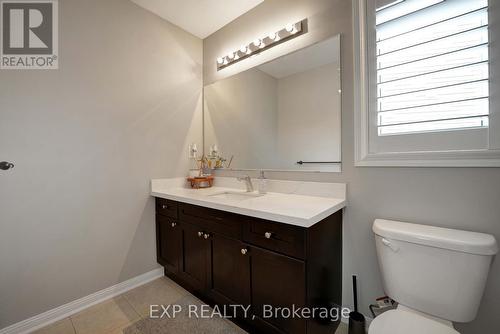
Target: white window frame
{"points": [[487, 157]]}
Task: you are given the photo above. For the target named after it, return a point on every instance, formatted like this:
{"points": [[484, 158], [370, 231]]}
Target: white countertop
{"points": [[295, 203]]}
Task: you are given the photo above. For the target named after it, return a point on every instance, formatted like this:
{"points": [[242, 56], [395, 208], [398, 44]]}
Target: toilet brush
{"points": [[356, 319]]}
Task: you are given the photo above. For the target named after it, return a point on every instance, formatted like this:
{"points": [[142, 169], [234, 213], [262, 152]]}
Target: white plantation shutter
{"points": [[432, 71]]}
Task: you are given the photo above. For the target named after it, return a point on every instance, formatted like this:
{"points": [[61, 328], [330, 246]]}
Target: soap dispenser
{"points": [[262, 183]]}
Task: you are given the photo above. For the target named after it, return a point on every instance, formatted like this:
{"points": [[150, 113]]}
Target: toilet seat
{"points": [[404, 322]]}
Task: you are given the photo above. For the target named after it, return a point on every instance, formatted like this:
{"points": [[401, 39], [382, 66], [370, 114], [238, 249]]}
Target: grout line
{"points": [[72, 324], [132, 305]]}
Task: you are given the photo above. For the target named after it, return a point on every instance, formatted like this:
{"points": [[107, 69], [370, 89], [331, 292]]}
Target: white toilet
{"points": [[436, 275]]}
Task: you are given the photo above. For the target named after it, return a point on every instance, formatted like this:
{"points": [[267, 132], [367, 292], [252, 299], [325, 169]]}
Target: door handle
{"points": [[4, 165]]}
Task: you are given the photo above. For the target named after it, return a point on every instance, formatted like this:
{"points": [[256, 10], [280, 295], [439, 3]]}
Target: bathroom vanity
{"points": [[230, 247]]}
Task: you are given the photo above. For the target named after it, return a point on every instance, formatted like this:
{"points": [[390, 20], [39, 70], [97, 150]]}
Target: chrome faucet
{"points": [[248, 182]]}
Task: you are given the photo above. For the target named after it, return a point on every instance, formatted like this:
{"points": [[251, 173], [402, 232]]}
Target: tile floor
{"points": [[114, 315]]}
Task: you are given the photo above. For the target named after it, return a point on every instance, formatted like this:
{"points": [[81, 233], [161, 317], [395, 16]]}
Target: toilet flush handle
{"points": [[386, 242]]}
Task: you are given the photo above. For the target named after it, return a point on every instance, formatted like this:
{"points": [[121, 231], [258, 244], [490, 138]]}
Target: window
{"points": [[432, 66], [424, 80]]}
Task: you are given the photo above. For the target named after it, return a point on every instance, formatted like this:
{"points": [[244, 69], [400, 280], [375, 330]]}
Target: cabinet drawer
{"points": [[166, 207], [281, 238], [211, 220]]}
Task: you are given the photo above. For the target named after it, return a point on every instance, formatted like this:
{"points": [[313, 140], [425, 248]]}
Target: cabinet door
{"points": [[278, 281], [195, 256], [169, 243], [229, 279]]}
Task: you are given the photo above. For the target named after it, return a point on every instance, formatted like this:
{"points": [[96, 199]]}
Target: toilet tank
{"points": [[438, 271]]}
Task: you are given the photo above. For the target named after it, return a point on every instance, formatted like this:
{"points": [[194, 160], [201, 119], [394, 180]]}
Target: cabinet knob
{"points": [[206, 236], [4, 165], [174, 224], [268, 235], [164, 207], [200, 234], [244, 251]]}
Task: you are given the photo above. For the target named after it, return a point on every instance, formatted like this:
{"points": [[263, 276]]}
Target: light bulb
{"points": [[220, 60], [257, 42], [243, 49], [294, 31], [272, 36], [225, 61], [289, 27], [230, 55], [236, 56], [262, 45]]}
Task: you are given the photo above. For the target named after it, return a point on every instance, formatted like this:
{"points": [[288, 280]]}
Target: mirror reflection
{"points": [[281, 115]]}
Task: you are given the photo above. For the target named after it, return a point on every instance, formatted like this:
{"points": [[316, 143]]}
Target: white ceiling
{"points": [[316, 55], [199, 17]]}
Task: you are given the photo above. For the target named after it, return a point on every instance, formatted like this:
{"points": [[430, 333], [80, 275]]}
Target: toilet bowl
{"points": [[407, 321], [436, 275]]}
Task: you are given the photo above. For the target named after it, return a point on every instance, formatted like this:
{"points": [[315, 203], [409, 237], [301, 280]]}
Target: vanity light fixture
{"points": [[260, 44], [244, 49], [274, 36]]}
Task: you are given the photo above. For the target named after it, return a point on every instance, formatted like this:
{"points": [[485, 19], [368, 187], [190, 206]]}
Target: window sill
{"points": [[480, 158]]}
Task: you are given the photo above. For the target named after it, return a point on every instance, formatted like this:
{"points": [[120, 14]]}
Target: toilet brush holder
{"points": [[357, 322]]}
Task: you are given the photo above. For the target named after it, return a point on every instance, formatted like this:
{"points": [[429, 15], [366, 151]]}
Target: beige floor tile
{"points": [[342, 329], [61, 327], [105, 317], [159, 292], [234, 328], [183, 291], [120, 329]]}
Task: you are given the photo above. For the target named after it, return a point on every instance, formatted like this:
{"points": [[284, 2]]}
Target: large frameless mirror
{"points": [[281, 115]]}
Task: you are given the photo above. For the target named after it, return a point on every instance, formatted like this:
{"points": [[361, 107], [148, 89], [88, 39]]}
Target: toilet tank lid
{"points": [[446, 238]]}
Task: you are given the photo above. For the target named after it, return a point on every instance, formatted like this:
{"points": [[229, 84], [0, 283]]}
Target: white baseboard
{"points": [[64, 311]]}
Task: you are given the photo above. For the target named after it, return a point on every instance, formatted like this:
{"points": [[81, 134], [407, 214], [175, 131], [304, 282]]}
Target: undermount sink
{"points": [[235, 195]]}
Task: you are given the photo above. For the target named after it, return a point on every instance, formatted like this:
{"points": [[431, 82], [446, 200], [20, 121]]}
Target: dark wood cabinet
{"points": [[169, 243], [229, 259], [229, 279], [278, 281], [195, 257]]}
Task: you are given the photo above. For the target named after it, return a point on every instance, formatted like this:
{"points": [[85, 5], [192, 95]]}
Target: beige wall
{"points": [[75, 213], [464, 198]]}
